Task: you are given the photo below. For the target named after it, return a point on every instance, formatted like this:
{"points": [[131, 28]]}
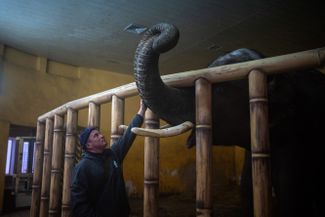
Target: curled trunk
{"points": [[177, 105], [170, 104]]}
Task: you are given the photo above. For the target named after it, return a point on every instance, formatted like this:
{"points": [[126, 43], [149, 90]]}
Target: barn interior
{"points": [[54, 52]]}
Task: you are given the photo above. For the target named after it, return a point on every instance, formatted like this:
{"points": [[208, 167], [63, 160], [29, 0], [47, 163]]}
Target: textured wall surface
{"points": [[31, 86]]}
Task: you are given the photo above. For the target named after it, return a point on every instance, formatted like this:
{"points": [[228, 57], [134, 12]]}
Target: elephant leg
{"points": [[297, 182], [246, 189], [282, 180]]}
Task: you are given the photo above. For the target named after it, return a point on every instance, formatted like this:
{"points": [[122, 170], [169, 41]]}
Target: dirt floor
{"points": [[226, 204]]}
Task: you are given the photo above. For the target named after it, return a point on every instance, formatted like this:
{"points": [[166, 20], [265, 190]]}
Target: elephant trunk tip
{"points": [[165, 37]]}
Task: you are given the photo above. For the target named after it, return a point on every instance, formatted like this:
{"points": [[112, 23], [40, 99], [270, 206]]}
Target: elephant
{"points": [[296, 117]]}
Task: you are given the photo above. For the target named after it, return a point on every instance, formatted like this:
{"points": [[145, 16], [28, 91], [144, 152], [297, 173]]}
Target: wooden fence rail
{"points": [[51, 198]]}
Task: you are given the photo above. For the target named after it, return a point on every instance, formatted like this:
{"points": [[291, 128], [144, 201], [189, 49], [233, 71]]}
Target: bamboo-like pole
{"points": [[44, 208], [261, 167], [123, 91], [203, 100], [151, 168], [300, 60], [56, 168], [272, 65], [38, 163], [69, 159], [93, 115], [117, 118]]}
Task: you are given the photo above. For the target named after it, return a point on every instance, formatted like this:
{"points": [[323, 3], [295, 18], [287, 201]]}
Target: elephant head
{"points": [[177, 105]]}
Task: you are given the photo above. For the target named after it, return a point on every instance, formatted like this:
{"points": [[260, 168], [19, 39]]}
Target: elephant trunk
{"points": [[177, 103]]}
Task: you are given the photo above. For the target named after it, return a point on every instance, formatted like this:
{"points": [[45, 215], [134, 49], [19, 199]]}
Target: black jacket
{"points": [[98, 188]]}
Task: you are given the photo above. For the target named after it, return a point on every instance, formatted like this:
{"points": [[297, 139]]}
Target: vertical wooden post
{"points": [[38, 163], [151, 168], [56, 169], [261, 168], [203, 148], [69, 159], [117, 118], [44, 208], [93, 115]]}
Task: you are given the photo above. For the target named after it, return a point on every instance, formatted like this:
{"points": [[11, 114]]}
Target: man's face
{"points": [[96, 142]]}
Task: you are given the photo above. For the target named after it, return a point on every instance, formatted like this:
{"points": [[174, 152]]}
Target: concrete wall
{"points": [[31, 86]]}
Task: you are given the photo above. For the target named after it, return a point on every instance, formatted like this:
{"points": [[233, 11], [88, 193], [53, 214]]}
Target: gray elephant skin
{"points": [[296, 120]]}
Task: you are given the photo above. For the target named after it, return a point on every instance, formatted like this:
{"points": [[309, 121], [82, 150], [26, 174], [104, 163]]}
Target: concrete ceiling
{"points": [[91, 33]]}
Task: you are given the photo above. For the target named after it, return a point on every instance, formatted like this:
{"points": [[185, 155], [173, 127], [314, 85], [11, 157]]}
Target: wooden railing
{"points": [[48, 193]]}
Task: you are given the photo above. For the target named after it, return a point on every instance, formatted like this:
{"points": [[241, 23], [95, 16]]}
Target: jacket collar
{"points": [[102, 155]]}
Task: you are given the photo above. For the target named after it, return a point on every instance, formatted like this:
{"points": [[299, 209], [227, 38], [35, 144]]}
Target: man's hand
{"points": [[142, 108]]}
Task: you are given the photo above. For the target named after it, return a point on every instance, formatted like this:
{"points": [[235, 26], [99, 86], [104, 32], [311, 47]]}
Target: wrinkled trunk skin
{"points": [[170, 104], [296, 119], [177, 105]]}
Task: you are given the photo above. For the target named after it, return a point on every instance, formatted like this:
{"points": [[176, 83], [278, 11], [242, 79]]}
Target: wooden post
{"points": [[69, 159], [117, 118], [56, 169], [203, 148], [44, 208], [38, 163], [93, 115], [261, 168], [151, 168]]}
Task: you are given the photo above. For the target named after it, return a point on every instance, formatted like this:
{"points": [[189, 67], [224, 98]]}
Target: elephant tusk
{"points": [[165, 126], [167, 132], [124, 127]]}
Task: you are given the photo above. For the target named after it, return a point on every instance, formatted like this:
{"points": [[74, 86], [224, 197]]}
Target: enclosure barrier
{"points": [[50, 163]]}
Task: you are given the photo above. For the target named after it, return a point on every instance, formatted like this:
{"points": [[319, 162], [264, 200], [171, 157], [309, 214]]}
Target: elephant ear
{"points": [[236, 56]]}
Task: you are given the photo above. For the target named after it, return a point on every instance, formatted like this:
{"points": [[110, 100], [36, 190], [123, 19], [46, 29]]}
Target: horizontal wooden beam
{"points": [[272, 65], [279, 64], [99, 98]]}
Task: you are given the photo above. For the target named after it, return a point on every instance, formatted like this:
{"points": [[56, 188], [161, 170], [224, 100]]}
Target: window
{"points": [[11, 150], [20, 155], [8, 156], [24, 163]]}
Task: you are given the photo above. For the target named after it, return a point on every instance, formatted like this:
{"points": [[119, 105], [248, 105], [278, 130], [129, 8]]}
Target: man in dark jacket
{"points": [[98, 188]]}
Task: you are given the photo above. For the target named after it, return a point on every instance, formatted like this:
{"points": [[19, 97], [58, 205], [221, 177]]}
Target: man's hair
{"points": [[84, 135]]}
